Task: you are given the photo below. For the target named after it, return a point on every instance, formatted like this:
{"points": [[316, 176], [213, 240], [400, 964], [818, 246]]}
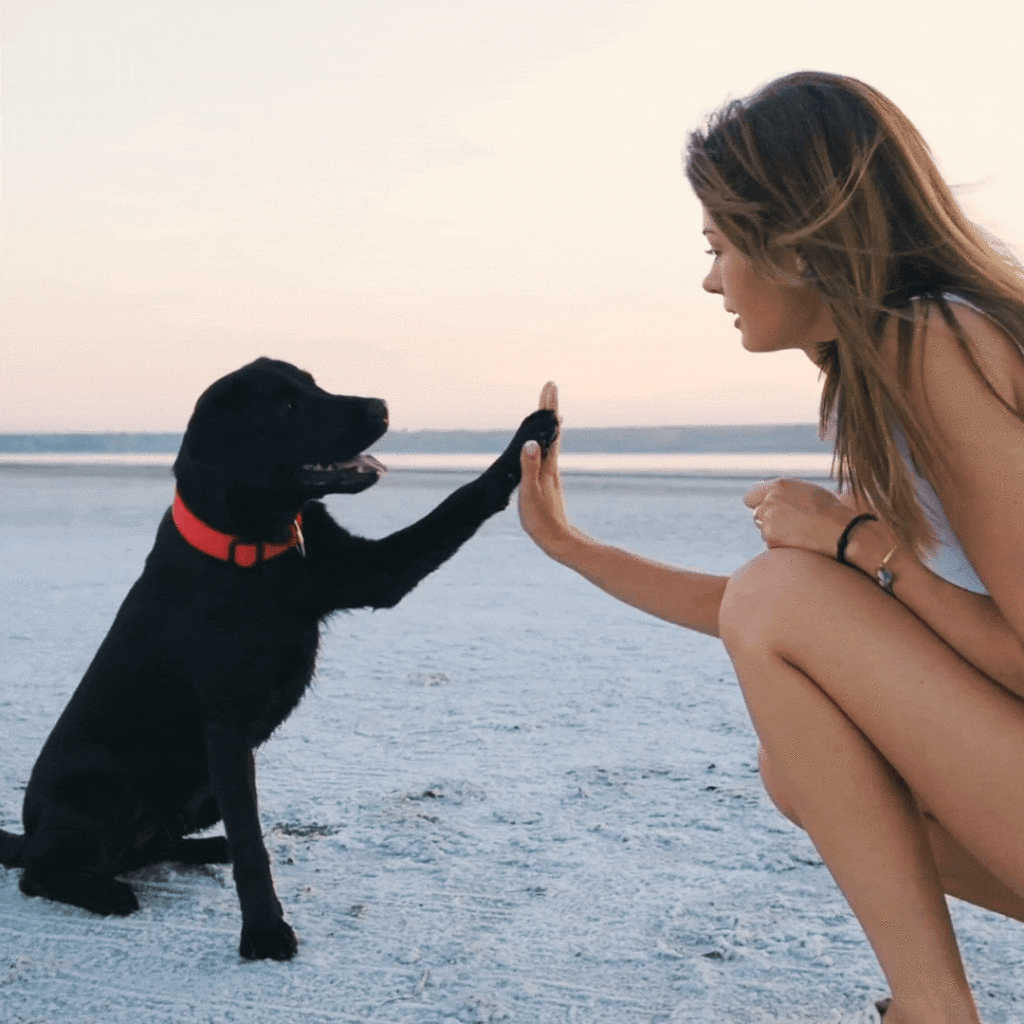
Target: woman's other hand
{"points": [[797, 514], [541, 504]]}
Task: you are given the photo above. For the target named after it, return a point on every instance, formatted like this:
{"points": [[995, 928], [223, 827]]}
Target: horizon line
{"points": [[437, 430]]}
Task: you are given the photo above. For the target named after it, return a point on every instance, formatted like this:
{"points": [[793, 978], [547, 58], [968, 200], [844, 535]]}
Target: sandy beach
{"points": [[510, 799]]}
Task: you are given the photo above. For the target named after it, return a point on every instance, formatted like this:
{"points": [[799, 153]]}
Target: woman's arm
{"points": [[686, 598], [797, 514], [972, 624], [977, 462]]}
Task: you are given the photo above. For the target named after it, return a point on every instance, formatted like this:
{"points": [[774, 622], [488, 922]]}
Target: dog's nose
{"points": [[377, 409]]}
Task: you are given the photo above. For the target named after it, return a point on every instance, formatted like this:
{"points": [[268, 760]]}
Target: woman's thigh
{"points": [[954, 736]]}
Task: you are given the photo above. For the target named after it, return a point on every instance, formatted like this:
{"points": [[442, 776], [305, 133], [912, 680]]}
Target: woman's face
{"points": [[771, 315]]}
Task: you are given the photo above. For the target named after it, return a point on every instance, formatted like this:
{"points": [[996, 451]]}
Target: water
{"points": [[759, 465]]}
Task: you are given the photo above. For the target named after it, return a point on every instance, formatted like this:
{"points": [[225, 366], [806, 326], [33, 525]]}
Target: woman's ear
{"points": [[791, 262], [801, 269]]}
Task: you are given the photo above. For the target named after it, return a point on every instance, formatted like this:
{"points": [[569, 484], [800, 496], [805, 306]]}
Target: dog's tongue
{"points": [[360, 464], [363, 464]]}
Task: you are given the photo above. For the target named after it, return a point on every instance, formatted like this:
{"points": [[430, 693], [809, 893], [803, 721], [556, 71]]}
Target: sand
{"points": [[508, 799]]}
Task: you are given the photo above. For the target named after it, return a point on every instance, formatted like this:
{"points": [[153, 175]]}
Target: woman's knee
{"points": [[760, 594], [775, 788]]}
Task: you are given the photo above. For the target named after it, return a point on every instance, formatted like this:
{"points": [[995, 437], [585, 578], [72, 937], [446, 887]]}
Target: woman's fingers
{"points": [[757, 493], [549, 400], [541, 509], [538, 504], [529, 460], [797, 514]]}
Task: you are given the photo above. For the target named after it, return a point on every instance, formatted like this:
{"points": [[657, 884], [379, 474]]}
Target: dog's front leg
{"points": [[265, 933], [358, 573]]}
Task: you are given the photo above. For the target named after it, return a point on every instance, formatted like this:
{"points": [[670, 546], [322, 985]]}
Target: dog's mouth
{"points": [[349, 476]]}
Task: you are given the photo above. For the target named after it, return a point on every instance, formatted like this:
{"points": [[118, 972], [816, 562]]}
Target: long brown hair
{"points": [[827, 165]]}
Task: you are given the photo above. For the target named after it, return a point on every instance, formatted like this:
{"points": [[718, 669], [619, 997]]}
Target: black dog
{"points": [[216, 642]]}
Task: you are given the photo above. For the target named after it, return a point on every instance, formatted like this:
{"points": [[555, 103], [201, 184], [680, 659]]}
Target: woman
{"points": [[888, 700]]}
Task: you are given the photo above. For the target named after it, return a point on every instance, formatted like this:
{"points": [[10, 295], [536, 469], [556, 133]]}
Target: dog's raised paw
{"points": [[540, 426]]}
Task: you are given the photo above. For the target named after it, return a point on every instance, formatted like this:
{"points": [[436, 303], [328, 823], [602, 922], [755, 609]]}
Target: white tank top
{"points": [[948, 560]]}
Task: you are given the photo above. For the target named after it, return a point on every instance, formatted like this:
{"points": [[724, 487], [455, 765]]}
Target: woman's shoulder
{"points": [[997, 355], [972, 357], [962, 379]]}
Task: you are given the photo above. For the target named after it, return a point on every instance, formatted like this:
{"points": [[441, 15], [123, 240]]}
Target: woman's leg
{"points": [[962, 875], [966, 878], [861, 709]]}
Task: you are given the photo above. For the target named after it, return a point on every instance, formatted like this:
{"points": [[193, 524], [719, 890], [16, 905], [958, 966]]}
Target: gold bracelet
{"points": [[885, 576]]}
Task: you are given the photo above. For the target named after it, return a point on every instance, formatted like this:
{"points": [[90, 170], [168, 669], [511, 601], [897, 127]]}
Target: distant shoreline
{"points": [[740, 451], [771, 438], [748, 465]]}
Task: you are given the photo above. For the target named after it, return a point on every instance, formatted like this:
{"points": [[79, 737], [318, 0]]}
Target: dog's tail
{"points": [[12, 850]]}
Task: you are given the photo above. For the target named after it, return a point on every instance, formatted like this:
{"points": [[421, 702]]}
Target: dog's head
{"points": [[268, 427]]}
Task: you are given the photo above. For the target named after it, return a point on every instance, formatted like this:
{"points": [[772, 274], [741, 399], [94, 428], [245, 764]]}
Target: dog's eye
{"points": [[289, 405]]}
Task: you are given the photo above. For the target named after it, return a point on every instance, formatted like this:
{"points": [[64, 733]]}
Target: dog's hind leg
{"points": [[200, 811], [99, 893], [160, 835], [67, 866], [213, 850], [12, 850]]}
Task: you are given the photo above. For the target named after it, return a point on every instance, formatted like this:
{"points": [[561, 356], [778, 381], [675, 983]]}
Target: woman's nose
{"points": [[710, 284]]}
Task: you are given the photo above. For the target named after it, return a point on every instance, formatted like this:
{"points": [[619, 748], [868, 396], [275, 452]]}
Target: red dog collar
{"points": [[225, 546]]}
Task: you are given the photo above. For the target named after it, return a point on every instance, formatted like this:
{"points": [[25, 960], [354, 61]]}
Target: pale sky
{"points": [[442, 203]]}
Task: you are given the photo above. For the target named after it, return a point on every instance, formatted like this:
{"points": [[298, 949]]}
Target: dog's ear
{"points": [[214, 416], [192, 449]]}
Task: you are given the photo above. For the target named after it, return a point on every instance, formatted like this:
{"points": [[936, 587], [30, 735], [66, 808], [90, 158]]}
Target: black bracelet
{"points": [[844, 537]]}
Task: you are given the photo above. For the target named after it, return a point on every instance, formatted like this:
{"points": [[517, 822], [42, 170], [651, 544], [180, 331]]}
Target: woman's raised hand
{"points": [[541, 505]]}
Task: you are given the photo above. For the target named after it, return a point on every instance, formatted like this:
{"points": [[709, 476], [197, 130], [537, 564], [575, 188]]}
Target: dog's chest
{"points": [[252, 669], [246, 639], [280, 669]]}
